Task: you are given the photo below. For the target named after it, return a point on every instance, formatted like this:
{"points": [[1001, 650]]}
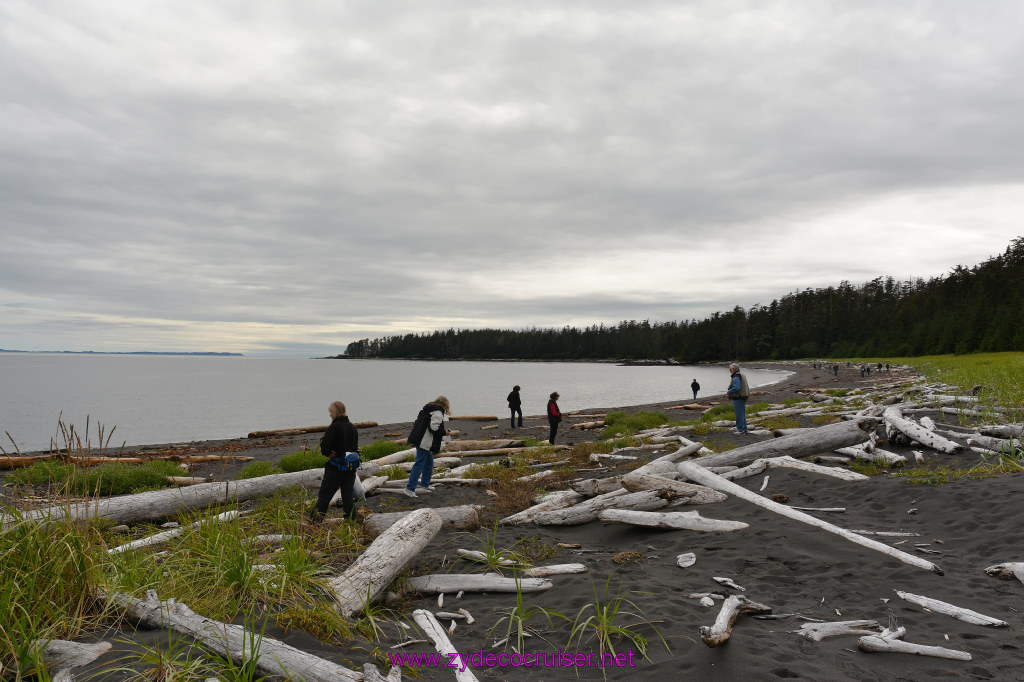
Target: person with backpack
{"points": [[428, 434], [515, 404], [695, 387], [554, 416], [738, 392], [340, 444]]}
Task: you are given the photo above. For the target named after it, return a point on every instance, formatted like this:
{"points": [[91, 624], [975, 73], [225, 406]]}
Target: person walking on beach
{"points": [[515, 404], [738, 392], [696, 387], [428, 434], [340, 444], [554, 416]]}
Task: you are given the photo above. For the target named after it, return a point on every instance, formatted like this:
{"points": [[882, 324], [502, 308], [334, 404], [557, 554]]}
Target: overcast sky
{"points": [[279, 177]]}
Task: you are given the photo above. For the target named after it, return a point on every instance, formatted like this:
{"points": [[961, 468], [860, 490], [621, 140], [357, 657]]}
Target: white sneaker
{"points": [[426, 489], [409, 493]]}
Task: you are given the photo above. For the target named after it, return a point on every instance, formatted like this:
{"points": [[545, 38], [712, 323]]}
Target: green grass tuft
{"points": [[257, 469], [302, 460], [381, 448]]}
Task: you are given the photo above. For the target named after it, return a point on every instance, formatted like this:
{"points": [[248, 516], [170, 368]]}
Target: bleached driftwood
{"points": [[695, 494], [878, 644], [887, 533], [787, 462], [718, 633], [474, 555], [59, 656], [299, 430], [554, 569], [376, 568], [432, 629], [169, 534], [463, 517], [557, 500], [461, 445], [588, 425], [914, 431], [664, 464], [697, 473], [814, 441], [872, 454], [995, 444], [1008, 571], [587, 511], [966, 615], [819, 631], [401, 483], [439, 583], [686, 560], [597, 486], [159, 504], [187, 480], [1004, 431], [689, 520], [598, 457], [439, 462], [273, 657]]}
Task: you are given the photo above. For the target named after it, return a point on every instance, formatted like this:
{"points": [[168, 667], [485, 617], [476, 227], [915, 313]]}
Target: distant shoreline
{"points": [[132, 352]]}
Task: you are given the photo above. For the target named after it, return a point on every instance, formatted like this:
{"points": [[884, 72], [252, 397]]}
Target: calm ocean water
{"points": [[170, 399]]}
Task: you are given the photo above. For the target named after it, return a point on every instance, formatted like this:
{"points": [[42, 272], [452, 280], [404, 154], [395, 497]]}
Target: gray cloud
{"points": [[270, 177]]}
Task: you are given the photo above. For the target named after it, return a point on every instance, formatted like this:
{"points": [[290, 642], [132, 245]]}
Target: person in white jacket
{"points": [[427, 436]]}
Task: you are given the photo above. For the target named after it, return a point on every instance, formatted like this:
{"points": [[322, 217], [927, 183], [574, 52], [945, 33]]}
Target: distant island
{"points": [[98, 352]]}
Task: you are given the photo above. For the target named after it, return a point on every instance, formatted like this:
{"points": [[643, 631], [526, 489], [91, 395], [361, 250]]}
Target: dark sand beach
{"points": [[791, 567]]}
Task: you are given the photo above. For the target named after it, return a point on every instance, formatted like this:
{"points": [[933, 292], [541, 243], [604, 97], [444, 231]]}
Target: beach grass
{"points": [[111, 478]]}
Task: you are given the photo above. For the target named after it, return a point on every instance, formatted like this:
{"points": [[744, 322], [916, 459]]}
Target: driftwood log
{"points": [[272, 658], [894, 418], [441, 583], [432, 629], [879, 644], [463, 517], [557, 500], [787, 462], [159, 504], [376, 568], [733, 606], [304, 429], [554, 569], [814, 441], [169, 534], [587, 511], [694, 494], [819, 631], [1008, 571], [690, 520], [697, 473], [960, 613]]}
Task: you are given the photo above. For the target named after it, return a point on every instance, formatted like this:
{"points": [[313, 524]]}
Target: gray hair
{"points": [[734, 366]]}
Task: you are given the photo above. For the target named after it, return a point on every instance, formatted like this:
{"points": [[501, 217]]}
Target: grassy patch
{"points": [[754, 408], [719, 412], [112, 478], [257, 469], [381, 448], [941, 475], [302, 460], [780, 422], [790, 402], [836, 392], [826, 419], [718, 445], [623, 424]]}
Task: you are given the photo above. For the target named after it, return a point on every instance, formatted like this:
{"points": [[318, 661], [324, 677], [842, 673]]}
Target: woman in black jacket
{"points": [[515, 403], [338, 441], [554, 416]]}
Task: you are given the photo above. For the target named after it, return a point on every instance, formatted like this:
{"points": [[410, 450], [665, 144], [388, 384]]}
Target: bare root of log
{"points": [[1008, 571], [717, 634], [819, 631]]}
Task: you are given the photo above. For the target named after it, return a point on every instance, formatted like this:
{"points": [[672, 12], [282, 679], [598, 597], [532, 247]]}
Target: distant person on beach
{"points": [[515, 404], [738, 392], [428, 434], [554, 416], [835, 370], [696, 387], [338, 444]]}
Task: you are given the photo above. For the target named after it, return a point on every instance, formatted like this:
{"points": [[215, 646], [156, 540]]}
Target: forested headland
{"points": [[968, 310]]}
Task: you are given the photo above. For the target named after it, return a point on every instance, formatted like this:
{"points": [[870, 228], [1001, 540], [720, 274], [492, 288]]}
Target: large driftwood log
{"points": [[59, 656], [878, 644], [554, 569], [159, 504], [298, 431], [373, 571], [169, 534], [432, 629], [695, 494], [273, 657], [463, 517], [814, 441], [960, 613], [475, 417], [695, 472], [819, 631], [690, 520], [733, 605], [787, 462], [1005, 431], [914, 431], [440, 583], [1008, 571], [557, 500], [597, 486], [587, 511], [872, 454], [439, 462], [460, 445], [1008, 445]]}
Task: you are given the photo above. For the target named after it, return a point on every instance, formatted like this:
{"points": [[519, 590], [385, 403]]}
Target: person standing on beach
{"points": [[427, 436], [338, 444], [515, 404], [696, 387], [554, 416], [738, 392]]}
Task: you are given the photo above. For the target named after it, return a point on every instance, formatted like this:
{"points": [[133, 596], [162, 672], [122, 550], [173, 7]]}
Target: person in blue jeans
{"points": [[428, 434], [738, 392]]}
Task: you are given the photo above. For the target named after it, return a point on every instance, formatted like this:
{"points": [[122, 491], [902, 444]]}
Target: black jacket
{"points": [[422, 425], [514, 400], [554, 414], [341, 437]]}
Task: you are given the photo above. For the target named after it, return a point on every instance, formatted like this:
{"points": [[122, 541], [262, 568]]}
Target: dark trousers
{"points": [[517, 410], [554, 430], [333, 480]]}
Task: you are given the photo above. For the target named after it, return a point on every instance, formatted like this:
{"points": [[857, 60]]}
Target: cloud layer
{"points": [[282, 178]]}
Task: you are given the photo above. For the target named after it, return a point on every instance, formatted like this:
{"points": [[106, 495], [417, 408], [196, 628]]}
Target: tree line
{"points": [[968, 310]]}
